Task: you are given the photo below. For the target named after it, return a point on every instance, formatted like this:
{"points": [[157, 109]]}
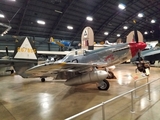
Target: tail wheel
{"points": [[42, 79], [103, 85]]}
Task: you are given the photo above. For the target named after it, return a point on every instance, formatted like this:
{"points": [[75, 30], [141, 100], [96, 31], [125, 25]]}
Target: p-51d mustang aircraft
{"points": [[77, 67]]}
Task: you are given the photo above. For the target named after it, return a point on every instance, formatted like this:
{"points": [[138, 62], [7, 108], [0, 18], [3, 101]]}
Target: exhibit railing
{"points": [[132, 96]]}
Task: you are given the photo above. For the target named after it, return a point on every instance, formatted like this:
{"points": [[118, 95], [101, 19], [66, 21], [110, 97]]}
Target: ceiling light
{"points": [[41, 22], [153, 21], [11, 0], [106, 33], [140, 15], [70, 27], [145, 32], [152, 31], [121, 6], [89, 18], [125, 27], [118, 35], [1, 16]]}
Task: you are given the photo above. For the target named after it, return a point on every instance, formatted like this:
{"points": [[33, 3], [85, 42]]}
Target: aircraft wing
{"points": [[44, 52], [10, 51], [59, 67], [150, 55], [53, 52], [151, 52]]}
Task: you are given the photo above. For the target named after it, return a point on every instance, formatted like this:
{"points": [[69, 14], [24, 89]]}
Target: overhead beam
{"points": [[112, 17], [21, 21], [129, 19], [60, 17], [93, 12], [141, 21], [7, 28]]}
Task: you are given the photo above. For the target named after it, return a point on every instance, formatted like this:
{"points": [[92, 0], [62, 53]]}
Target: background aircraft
{"points": [[61, 43], [150, 55]]}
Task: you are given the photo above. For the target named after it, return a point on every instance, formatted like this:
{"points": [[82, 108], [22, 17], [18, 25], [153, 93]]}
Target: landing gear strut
{"points": [[103, 85], [111, 75], [42, 79]]}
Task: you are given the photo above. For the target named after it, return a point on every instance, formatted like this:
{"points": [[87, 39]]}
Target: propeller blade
{"points": [[140, 64], [135, 32], [136, 39], [139, 56], [6, 50]]}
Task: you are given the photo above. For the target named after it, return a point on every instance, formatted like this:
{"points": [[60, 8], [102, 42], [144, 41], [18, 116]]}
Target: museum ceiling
{"points": [[108, 20]]}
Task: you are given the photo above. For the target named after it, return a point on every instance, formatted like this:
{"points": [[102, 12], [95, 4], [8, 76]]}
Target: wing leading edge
{"points": [[47, 69]]}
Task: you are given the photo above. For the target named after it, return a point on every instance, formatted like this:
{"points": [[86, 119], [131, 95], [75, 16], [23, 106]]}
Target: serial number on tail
{"points": [[27, 50]]}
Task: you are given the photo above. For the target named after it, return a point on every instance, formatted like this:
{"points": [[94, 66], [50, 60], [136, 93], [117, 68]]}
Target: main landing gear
{"points": [[42, 79], [111, 75], [103, 85]]}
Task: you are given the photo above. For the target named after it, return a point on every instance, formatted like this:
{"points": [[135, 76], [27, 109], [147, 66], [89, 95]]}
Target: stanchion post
{"points": [[135, 87], [103, 111], [149, 92], [132, 103]]}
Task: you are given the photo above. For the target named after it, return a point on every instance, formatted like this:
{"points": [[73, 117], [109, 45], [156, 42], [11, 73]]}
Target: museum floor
{"points": [[29, 99]]}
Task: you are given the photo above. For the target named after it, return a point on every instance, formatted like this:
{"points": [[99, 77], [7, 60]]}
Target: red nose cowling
{"points": [[135, 47]]}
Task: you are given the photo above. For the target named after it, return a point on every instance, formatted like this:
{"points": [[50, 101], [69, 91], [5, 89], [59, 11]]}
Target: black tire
{"points": [[75, 61], [12, 71], [42, 79], [103, 85], [151, 62]]}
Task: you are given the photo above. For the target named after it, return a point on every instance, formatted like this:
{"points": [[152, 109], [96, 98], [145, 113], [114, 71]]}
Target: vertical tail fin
{"points": [[87, 38], [25, 50], [131, 37], [51, 40], [26, 55]]}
